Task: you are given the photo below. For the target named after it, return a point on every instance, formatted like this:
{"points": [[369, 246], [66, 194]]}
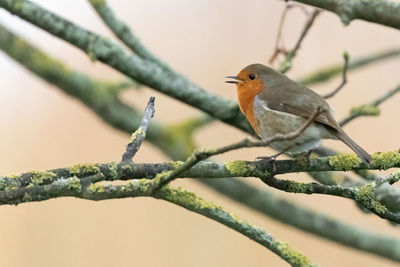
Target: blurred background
{"points": [[42, 128]]}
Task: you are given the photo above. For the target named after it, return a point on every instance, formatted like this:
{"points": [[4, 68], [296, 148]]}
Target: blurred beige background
{"points": [[41, 128]]}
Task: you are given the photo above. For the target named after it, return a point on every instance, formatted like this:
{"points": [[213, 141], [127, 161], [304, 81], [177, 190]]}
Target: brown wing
{"points": [[285, 95]]}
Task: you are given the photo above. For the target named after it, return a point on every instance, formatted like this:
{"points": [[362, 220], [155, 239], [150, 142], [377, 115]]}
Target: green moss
{"points": [[41, 177], [136, 133], [83, 169], [74, 184], [365, 110], [142, 185], [365, 195], [296, 187], [175, 164], [385, 160], [113, 170], [180, 196], [344, 162], [293, 257], [96, 188], [239, 168]]}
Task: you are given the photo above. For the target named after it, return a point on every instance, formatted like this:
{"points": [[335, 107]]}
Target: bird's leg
{"points": [[305, 157], [273, 157]]}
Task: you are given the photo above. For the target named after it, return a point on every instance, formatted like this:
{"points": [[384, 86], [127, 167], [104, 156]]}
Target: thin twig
{"points": [[370, 109], [287, 62], [344, 77], [279, 47], [138, 136]]}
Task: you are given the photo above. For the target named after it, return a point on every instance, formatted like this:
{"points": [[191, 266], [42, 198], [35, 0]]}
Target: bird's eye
{"points": [[252, 76]]}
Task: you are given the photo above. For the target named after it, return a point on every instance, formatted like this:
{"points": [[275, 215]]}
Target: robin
{"points": [[273, 103]]}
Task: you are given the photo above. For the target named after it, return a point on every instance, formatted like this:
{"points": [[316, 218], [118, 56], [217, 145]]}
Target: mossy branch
{"points": [[87, 189], [382, 12], [123, 32], [247, 190], [163, 173]]}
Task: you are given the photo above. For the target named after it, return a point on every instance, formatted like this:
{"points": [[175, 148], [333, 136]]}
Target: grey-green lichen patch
{"points": [[295, 187], [239, 168], [365, 110], [176, 164], [385, 160], [292, 256], [142, 186], [365, 195], [96, 188], [74, 184], [83, 169], [41, 177], [136, 133], [113, 170], [344, 162], [180, 195]]}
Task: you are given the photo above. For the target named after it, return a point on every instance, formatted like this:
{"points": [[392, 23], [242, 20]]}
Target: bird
{"points": [[274, 103]]}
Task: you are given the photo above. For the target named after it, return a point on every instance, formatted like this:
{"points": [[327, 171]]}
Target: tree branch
{"points": [[143, 71], [286, 64], [74, 187], [326, 73], [124, 33], [344, 77], [383, 12], [138, 136], [370, 109], [251, 190]]}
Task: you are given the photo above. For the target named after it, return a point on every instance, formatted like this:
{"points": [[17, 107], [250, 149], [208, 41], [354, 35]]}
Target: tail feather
{"points": [[354, 146]]}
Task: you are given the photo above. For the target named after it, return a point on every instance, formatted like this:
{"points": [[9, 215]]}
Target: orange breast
{"points": [[246, 94]]}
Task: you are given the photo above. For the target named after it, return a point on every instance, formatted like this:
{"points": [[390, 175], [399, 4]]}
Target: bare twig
{"points": [[344, 77], [279, 47], [325, 73], [138, 136], [287, 62]]}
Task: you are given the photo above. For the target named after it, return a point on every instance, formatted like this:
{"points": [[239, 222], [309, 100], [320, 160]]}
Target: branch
{"points": [[143, 71], [329, 72], [278, 208], [370, 109], [123, 32], [138, 136], [261, 169], [322, 229], [100, 97], [383, 12], [344, 77], [79, 188], [286, 64]]}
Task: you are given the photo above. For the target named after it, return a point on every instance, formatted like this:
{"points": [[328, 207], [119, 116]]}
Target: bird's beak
{"points": [[236, 78]]}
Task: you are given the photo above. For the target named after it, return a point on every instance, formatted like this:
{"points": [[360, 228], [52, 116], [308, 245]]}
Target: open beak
{"points": [[236, 79]]}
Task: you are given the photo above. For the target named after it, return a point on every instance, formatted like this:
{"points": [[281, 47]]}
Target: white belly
{"points": [[273, 122]]}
